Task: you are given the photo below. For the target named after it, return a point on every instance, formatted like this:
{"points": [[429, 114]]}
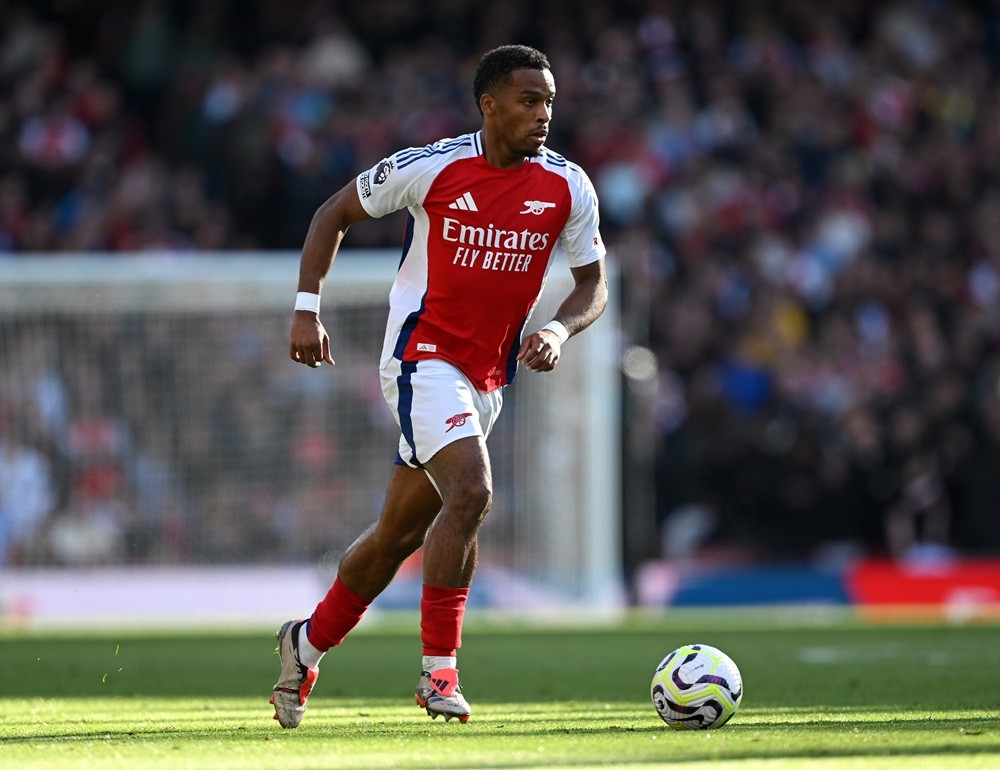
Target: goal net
{"points": [[150, 416]]}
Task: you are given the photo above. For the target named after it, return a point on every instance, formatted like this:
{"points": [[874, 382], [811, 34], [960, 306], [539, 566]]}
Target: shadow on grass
{"points": [[550, 667], [358, 729]]}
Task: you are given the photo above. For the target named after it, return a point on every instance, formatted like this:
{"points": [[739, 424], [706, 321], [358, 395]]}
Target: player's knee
{"points": [[472, 500]]}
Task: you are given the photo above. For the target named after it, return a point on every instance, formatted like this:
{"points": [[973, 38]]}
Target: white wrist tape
{"points": [[305, 300], [558, 329]]}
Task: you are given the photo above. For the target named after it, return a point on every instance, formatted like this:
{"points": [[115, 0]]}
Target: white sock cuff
{"points": [[309, 656], [432, 663]]}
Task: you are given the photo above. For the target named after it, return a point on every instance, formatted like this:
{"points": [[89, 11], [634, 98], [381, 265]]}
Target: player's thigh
{"points": [[411, 503], [461, 471]]}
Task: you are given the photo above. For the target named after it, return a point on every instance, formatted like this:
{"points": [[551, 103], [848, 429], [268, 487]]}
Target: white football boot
{"points": [[296, 681], [441, 694]]}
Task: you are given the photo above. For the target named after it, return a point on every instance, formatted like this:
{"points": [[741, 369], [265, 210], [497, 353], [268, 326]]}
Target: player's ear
{"points": [[487, 104]]}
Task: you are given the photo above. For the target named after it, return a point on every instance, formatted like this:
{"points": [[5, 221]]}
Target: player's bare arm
{"points": [[310, 344], [584, 304]]}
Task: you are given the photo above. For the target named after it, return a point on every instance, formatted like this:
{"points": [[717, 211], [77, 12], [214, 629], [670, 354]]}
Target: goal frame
{"points": [[572, 459]]}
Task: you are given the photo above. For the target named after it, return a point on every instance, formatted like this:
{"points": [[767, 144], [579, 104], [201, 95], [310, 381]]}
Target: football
{"points": [[696, 687]]}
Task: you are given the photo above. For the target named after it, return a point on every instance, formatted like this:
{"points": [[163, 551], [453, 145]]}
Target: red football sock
{"points": [[441, 612], [335, 616]]}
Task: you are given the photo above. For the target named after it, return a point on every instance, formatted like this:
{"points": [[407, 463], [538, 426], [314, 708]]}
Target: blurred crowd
{"points": [[802, 201], [170, 455]]}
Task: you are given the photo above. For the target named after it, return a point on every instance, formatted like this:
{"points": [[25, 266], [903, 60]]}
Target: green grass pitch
{"points": [[819, 694]]}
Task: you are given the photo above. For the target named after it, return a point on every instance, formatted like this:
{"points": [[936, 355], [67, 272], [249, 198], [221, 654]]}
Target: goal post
{"points": [[157, 398]]}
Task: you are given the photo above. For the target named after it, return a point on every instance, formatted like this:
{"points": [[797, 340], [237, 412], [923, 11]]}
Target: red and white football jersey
{"points": [[476, 250]]}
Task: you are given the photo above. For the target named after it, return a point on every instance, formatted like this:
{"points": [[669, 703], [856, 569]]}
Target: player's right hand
{"points": [[310, 344]]}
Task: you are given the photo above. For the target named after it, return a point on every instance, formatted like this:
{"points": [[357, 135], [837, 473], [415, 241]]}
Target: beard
{"points": [[532, 150]]}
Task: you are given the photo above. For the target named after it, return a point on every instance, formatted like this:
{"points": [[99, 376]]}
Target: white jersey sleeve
{"points": [[403, 179], [581, 237], [386, 188]]}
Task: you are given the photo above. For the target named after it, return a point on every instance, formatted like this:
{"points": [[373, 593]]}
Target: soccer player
{"points": [[485, 211]]}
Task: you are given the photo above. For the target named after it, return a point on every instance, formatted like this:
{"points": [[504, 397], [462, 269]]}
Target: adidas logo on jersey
{"points": [[464, 203]]}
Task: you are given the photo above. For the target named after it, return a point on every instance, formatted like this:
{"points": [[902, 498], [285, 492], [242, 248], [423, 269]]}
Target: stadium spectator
{"points": [[27, 495]]}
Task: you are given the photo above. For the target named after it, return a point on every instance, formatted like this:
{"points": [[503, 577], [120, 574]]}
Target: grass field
{"points": [[818, 695]]}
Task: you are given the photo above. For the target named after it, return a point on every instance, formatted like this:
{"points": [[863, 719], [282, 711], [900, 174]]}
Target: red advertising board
{"points": [[957, 590]]}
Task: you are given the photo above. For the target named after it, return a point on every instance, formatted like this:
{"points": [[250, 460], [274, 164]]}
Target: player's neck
{"points": [[500, 156]]}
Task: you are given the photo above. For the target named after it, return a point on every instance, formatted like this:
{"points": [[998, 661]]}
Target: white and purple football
{"points": [[696, 687]]}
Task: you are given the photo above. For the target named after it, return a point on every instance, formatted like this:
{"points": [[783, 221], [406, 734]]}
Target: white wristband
{"points": [[558, 329], [305, 300]]}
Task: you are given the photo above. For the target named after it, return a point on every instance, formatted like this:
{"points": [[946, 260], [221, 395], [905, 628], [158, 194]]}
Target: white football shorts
{"points": [[435, 404]]}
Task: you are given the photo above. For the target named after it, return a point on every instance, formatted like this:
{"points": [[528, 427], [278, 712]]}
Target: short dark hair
{"points": [[496, 67]]}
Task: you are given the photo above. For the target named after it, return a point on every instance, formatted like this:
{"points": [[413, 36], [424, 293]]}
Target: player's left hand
{"points": [[540, 351]]}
